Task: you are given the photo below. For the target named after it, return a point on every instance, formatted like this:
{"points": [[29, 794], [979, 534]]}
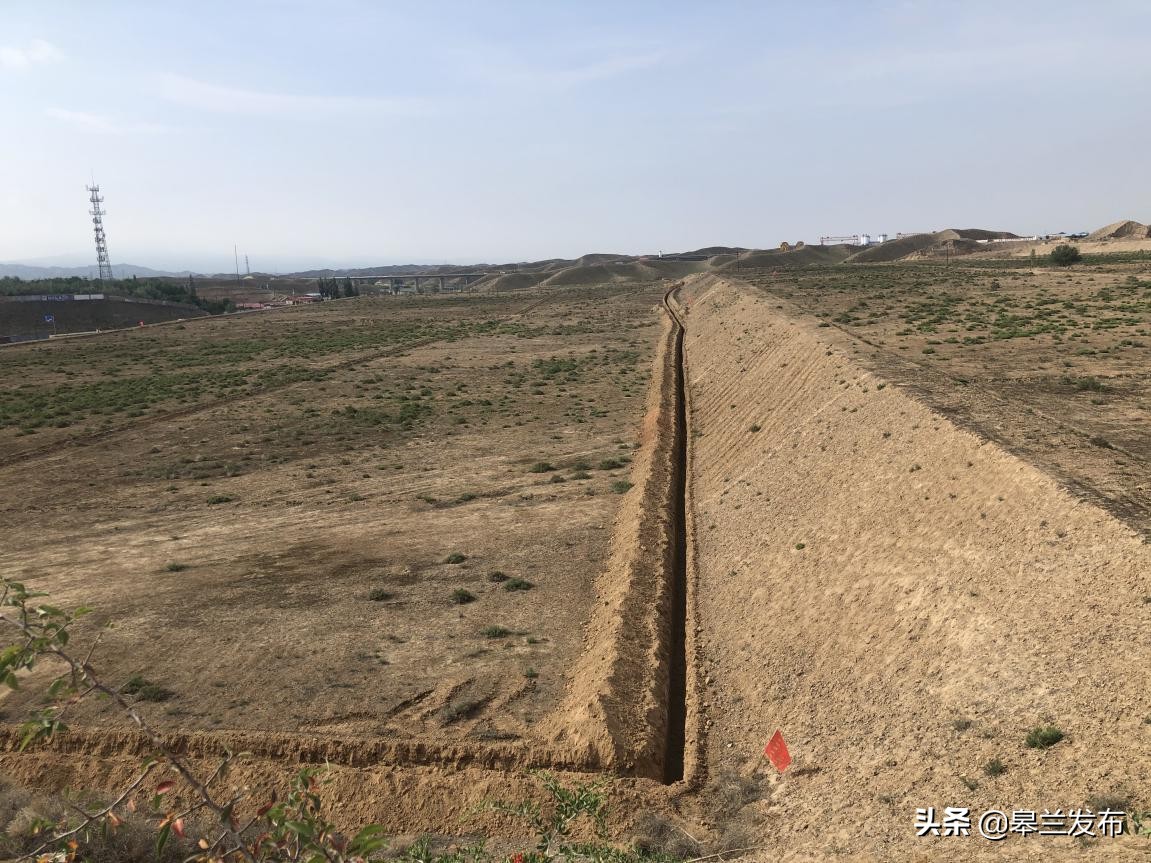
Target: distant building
{"points": [[853, 240]]}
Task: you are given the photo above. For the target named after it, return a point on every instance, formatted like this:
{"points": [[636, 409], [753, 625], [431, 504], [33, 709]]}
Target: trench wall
{"points": [[902, 598]]}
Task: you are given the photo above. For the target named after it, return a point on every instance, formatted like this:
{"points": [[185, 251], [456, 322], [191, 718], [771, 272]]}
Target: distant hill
{"points": [[1123, 230], [802, 257], [953, 240], [121, 271]]}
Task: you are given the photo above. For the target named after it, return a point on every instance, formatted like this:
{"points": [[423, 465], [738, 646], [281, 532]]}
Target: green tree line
{"points": [[147, 289]]}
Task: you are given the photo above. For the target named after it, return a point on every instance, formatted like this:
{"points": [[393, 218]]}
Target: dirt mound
{"points": [[903, 599], [614, 713], [600, 258], [894, 250], [551, 265], [1124, 230], [509, 281], [954, 240], [712, 251], [805, 257], [598, 274], [981, 234]]}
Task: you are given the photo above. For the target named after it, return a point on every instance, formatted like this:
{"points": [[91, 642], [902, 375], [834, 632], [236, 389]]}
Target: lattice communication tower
{"points": [[97, 213]]}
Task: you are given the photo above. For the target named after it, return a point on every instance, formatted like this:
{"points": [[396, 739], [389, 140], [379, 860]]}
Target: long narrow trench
{"points": [[673, 766]]}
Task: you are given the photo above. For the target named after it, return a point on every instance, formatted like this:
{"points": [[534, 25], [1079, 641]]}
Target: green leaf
{"points": [[10, 680], [162, 839], [370, 839]]}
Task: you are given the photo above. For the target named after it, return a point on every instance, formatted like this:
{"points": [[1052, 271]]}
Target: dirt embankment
{"points": [[613, 714], [616, 710], [903, 599], [509, 282]]}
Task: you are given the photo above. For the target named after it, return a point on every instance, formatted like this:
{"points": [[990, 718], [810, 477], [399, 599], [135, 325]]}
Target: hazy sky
{"points": [[357, 132]]}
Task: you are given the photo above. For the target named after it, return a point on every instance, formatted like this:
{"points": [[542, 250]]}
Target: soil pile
{"points": [[1124, 230], [894, 250], [597, 274], [903, 599], [510, 281], [804, 257], [955, 240]]}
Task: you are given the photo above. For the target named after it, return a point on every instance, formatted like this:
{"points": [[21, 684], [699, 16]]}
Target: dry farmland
{"points": [[370, 517], [897, 512]]}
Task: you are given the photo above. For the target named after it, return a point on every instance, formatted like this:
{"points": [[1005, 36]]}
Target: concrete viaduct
{"points": [[447, 282]]}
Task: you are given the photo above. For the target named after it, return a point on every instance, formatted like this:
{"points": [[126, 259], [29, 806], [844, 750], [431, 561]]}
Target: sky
{"points": [[352, 133]]}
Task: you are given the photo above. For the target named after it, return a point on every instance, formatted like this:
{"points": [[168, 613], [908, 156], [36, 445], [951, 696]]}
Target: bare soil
{"points": [[916, 511], [374, 517], [1052, 364], [904, 599]]}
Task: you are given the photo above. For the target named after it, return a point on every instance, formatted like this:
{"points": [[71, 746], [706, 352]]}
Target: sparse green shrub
{"points": [[462, 597], [1087, 384], [1043, 737], [378, 594], [1064, 255], [145, 690], [176, 566], [620, 486], [220, 498], [496, 631], [610, 464], [995, 767], [461, 710], [541, 467], [497, 576], [455, 557], [518, 584]]}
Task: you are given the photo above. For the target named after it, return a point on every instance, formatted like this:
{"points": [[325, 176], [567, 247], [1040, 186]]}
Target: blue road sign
{"points": [[49, 319]]}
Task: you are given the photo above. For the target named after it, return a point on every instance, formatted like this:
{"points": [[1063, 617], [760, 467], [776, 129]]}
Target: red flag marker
{"points": [[776, 751]]}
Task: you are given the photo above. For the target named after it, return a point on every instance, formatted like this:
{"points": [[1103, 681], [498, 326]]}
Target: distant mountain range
{"points": [[120, 271]]}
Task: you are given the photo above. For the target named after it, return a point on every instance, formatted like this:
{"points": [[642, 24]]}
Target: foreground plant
{"points": [[293, 829]]}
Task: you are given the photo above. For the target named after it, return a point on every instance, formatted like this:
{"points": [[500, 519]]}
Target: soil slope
{"points": [[903, 599], [1125, 229]]}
